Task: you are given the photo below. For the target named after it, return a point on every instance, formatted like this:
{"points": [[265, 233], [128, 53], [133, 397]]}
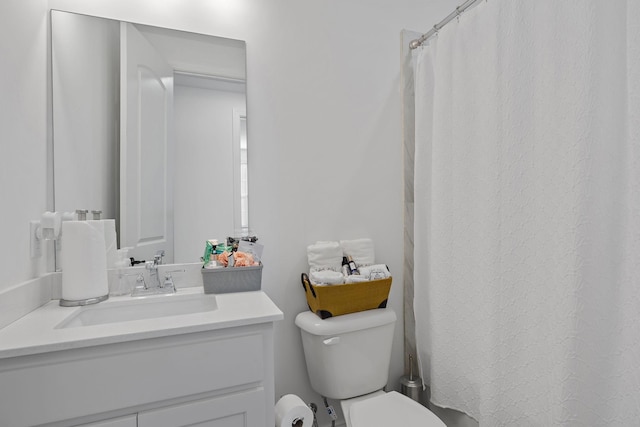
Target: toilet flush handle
{"points": [[332, 341]]}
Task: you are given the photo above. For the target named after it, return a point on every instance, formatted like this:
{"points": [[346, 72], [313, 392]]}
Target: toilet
{"points": [[348, 359]]}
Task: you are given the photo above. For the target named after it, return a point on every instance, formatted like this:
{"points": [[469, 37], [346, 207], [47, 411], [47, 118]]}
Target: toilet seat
{"points": [[391, 409]]}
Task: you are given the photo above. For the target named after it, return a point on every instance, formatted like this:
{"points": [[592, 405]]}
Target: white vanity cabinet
{"points": [[233, 410], [240, 409], [220, 377]]}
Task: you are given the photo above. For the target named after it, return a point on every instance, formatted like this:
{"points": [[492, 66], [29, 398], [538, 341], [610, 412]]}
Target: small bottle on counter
{"points": [[353, 268], [345, 267]]}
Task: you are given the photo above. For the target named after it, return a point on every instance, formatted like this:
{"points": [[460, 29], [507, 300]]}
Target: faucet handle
{"points": [[140, 282], [168, 279], [167, 274], [157, 258]]}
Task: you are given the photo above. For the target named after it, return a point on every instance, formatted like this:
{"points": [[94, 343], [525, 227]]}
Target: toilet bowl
{"points": [[348, 360]]}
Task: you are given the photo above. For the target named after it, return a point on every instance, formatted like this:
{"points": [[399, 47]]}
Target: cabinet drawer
{"points": [[236, 410], [106, 378]]}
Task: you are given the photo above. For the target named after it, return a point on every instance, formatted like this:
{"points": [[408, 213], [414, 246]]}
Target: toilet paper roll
{"points": [[292, 411], [84, 260]]}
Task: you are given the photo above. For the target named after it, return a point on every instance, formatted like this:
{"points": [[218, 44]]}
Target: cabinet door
{"points": [[128, 421], [244, 409]]}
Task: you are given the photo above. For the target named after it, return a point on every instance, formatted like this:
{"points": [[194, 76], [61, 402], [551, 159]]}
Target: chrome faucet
{"points": [[152, 266], [156, 286]]}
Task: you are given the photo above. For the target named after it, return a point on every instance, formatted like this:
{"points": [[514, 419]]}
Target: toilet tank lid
{"points": [[311, 323]]}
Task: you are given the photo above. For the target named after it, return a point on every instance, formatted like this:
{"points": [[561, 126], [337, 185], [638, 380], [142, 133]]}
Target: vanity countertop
{"points": [[36, 332]]}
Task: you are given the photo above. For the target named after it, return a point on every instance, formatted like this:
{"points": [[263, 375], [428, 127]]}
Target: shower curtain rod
{"points": [[457, 12]]}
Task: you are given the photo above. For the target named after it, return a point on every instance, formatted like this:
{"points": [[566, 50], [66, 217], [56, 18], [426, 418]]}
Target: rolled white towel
{"points": [[326, 277], [356, 278], [375, 272], [361, 250], [324, 256]]}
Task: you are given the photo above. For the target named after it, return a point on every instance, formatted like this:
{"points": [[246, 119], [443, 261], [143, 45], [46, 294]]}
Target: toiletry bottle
{"points": [[353, 268], [345, 266], [213, 262]]}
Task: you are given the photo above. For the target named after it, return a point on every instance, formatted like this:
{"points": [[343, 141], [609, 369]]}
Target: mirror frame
{"points": [[92, 181]]}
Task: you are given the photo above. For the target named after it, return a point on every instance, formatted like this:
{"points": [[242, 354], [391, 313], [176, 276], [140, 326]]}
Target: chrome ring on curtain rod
{"points": [[434, 31]]}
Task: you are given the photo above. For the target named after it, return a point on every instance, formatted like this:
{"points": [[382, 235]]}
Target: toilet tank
{"points": [[348, 355]]}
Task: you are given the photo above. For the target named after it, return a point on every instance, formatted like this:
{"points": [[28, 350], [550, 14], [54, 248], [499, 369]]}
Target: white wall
{"points": [[23, 134], [324, 125]]}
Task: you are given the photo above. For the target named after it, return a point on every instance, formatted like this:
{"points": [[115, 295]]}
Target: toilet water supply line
{"points": [[330, 411]]}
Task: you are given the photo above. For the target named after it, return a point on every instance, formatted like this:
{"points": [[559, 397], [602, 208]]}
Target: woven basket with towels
{"points": [[332, 291]]}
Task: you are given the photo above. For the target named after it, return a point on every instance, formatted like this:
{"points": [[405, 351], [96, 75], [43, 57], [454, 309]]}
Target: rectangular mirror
{"points": [[149, 127]]}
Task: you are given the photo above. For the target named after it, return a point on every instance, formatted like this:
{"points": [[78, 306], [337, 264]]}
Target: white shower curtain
{"points": [[527, 213]]}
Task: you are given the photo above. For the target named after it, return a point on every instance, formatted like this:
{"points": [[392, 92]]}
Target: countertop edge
{"points": [[141, 330]]}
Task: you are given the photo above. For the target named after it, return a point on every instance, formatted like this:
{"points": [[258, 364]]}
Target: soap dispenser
{"points": [[121, 283]]}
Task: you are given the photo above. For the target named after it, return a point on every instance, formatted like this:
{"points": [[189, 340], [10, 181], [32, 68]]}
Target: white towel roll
{"points": [[84, 260], [375, 272], [326, 277], [324, 256], [110, 240], [361, 250], [356, 278]]}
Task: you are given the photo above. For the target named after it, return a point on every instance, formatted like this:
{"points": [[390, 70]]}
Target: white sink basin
{"points": [[139, 309]]}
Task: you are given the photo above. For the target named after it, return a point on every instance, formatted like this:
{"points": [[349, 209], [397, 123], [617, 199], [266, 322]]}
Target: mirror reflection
{"points": [[150, 127]]}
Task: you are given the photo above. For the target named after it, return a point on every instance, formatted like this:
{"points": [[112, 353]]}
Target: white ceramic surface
{"points": [[140, 308], [39, 331], [335, 349]]}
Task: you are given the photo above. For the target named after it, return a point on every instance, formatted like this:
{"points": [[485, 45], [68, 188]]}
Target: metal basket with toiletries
{"points": [[232, 266], [223, 280], [344, 278]]}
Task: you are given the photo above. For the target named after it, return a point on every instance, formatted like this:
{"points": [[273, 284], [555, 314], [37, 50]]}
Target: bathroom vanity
{"points": [[141, 362]]}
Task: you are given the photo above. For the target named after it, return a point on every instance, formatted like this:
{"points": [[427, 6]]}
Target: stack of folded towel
{"points": [[375, 272], [325, 262], [324, 256], [361, 250], [326, 277]]}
